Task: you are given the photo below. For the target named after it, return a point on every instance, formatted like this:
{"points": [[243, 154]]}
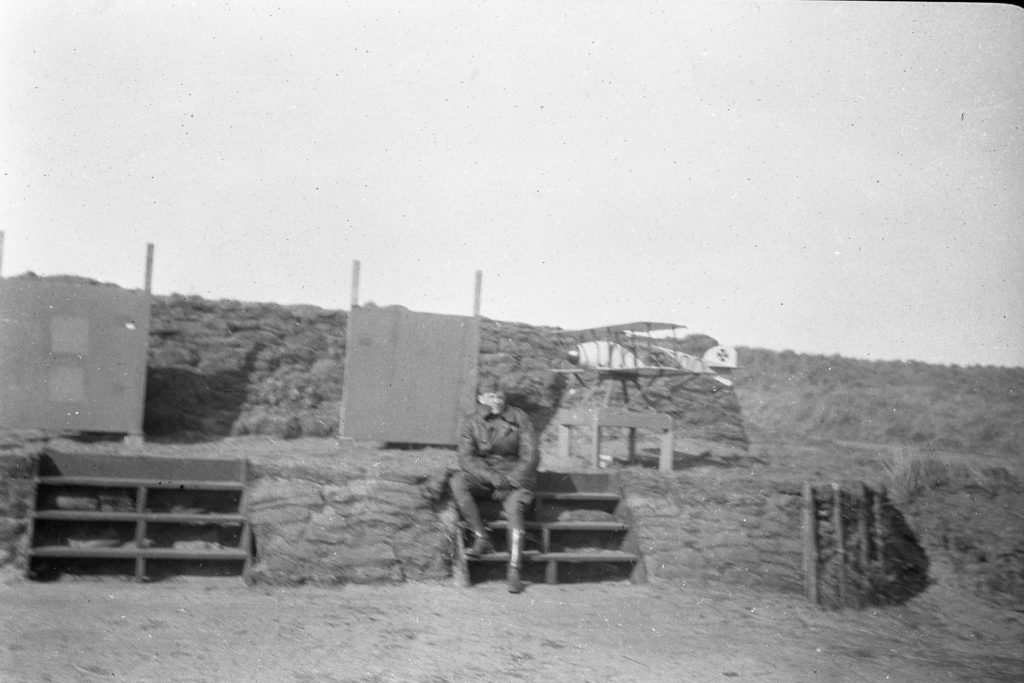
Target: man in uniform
{"points": [[498, 456]]}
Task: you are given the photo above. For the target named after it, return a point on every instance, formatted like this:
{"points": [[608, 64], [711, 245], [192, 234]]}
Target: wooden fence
{"points": [[846, 532]]}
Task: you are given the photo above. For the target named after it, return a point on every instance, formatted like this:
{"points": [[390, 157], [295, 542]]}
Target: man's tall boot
{"points": [[481, 540], [515, 563], [481, 543]]}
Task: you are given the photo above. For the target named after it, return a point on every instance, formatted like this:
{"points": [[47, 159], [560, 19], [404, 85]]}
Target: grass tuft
{"points": [[912, 474]]}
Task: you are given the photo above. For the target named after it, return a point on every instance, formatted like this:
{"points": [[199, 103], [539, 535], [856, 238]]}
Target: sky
{"points": [[828, 178]]}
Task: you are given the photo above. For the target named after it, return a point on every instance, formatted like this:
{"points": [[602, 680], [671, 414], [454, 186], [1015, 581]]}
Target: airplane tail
{"points": [[721, 357], [721, 361]]}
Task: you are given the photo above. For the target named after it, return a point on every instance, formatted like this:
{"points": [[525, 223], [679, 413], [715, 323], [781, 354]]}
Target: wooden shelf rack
{"points": [[112, 510]]}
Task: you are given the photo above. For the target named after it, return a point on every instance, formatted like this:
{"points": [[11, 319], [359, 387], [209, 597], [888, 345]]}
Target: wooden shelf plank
{"points": [[591, 556], [154, 517], [528, 556], [583, 556], [192, 518], [578, 496], [572, 525], [183, 554], [117, 482], [64, 551]]}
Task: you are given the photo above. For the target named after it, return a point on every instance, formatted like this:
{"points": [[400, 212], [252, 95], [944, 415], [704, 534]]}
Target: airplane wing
{"points": [[658, 371], [611, 330]]}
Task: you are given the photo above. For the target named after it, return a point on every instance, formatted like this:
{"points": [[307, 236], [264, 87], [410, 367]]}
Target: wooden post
{"points": [[863, 545], [353, 305], [30, 518], [551, 566], [140, 533], [564, 437], [243, 509], [460, 568], [595, 451], [477, 291], [665, 459], [863, 537], [354, 301], [133, 441], [810, 533], [878, 514], [149, 268], [837, 526]]}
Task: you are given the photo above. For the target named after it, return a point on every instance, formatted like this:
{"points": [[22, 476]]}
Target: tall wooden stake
{"points": [[477, 292], [353, 305], [863, 543], [837, 526], [863, 538], [878, 513], [149, 268], [810, 533], [354, 301]]}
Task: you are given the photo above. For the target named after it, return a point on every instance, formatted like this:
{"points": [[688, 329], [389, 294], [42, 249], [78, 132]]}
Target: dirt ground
{"points": [[217, 629]]}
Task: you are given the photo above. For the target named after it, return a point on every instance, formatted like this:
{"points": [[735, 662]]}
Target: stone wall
{"points": [[16, 490]]}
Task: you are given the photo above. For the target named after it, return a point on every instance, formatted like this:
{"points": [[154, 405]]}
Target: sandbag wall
{"points": [[386, 516], [358, 525], [17, 473], [696, 530], [752, 533]]}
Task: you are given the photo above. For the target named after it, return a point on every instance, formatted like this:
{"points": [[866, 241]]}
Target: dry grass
{"points": [[911, 474]]}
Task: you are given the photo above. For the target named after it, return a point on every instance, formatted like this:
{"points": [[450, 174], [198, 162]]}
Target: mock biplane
{"points": [[632, 351]]}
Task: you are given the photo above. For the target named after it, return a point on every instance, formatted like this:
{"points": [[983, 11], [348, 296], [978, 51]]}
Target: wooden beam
{"points": [[878, 527], [840, 540], [564, 437], [149, 268], [810, 543], [354, 300], [353, 305], [667, 455], [863, 537], [863, 542], [477, 292]]}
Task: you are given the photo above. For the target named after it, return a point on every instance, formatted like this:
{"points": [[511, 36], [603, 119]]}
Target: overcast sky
{"points": [[823, 177]]}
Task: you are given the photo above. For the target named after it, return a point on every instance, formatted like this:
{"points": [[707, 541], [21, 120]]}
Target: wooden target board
{"points": [[409, 377], [72, 356]]}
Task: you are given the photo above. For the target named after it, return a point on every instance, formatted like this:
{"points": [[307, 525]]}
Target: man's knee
{"points": [[458, 481], [519, 502], [521, 497]]}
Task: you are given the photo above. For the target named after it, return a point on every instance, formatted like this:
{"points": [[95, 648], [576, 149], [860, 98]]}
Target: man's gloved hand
{"points": [[515, 480]]}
